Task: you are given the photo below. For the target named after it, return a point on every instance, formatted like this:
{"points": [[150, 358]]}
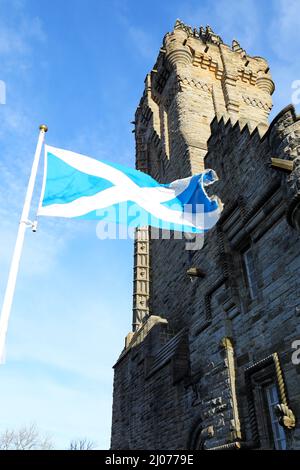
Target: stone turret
{"points": [[284, 140], [198, 73]]}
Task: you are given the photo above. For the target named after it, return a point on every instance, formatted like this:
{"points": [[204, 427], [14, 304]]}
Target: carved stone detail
{"points": [[141, 290], [257, 103], [265, 84], [185, 81], [206, 34], [177, 52], [286, 417], [227, 344]]}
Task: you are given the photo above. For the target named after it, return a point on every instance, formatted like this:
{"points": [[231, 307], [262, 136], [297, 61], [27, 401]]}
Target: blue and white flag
{"points": [[79, 186]]}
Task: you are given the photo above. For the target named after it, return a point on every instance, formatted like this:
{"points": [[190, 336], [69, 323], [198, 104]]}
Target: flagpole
{"points": [[14, 267]]}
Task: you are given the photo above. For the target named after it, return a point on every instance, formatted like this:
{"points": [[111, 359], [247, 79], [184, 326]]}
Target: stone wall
{"points": [[194, 370]]}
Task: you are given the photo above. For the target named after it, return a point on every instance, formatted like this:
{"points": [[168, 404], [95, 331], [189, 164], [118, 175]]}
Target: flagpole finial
{"points": [[43, 127]]}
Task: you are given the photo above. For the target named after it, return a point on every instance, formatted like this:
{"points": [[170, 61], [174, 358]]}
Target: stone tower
{"points": [[196, 78], [178, 379]]}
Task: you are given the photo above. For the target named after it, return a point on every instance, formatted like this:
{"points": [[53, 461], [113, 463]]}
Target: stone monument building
{"points": [[213, 363]]}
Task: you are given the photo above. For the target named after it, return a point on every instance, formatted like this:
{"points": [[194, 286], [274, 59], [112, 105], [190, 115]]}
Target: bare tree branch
{"points": [[82, 444], [25, 438]]}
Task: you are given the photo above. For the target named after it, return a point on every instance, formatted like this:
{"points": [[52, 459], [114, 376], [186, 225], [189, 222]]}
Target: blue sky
{"points": [[79, 66]]}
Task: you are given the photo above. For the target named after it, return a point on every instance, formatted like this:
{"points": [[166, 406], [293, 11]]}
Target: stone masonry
{"points": [[208, 363]]}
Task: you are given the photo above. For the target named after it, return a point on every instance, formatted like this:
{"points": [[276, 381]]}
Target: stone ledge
{"points": [[134, 339]]}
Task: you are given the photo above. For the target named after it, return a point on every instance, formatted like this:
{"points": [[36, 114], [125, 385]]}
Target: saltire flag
{"points": [[78, 186]]}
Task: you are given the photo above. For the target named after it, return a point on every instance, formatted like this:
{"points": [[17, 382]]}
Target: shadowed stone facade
{"points": [[208, 363]]}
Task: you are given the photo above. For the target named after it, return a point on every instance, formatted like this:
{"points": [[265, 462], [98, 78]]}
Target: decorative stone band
{"points": [[247, 76], [178, 83], [184, 81], [256, 103], [237, 445], [232, 446], [205, 61]]}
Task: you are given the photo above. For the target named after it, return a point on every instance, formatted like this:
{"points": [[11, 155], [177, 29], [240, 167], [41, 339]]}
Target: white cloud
{"points": [[104, 142], [230, 19], [18, 41], [14, 120], [143, 42], [284, 32], [284, 39], [19, 35]]}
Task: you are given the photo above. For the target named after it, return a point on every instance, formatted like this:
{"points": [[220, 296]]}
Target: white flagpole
{"points": [[14, 268]]}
